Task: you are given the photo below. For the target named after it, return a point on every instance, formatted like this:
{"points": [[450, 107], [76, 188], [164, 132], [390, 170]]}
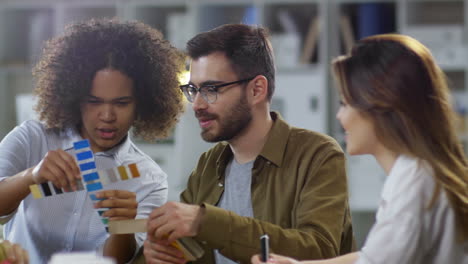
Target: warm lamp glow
{"points": [[184, 77]]}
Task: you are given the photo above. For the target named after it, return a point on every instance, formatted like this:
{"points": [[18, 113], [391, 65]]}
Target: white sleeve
{"points": [[397, 234], [16, 152], [393, 240], [153, 193]]}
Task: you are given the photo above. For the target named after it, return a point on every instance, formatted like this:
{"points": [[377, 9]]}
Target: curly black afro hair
{"points": [[69, 63]]}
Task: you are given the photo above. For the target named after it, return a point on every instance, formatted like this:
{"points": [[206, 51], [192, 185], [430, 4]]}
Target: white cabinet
{"points": [[302, 99], [442, 26], [173, 18]]}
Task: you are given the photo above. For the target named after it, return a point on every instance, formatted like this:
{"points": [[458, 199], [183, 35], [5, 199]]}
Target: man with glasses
{"points": [[263, 177]]}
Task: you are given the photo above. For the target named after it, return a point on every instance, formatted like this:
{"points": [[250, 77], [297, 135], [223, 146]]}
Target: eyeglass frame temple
{"points": [[215, 87]]}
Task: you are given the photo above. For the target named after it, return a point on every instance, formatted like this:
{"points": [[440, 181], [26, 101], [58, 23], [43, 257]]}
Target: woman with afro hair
{"points": [[96, 81]]}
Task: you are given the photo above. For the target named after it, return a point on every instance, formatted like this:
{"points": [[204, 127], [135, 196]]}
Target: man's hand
{"points": [[122, 204], [174, 220], [14, 253], [161, 252], [58, 167]]}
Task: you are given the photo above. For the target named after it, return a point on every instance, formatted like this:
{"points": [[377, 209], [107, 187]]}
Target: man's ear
{"points": [[259, 92]]}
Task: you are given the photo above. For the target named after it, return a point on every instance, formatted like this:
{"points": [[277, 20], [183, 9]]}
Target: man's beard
{"points": [[231, 125]]}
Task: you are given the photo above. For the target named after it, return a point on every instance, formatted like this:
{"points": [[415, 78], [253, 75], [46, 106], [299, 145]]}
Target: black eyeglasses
{"points": [[209, 92]]}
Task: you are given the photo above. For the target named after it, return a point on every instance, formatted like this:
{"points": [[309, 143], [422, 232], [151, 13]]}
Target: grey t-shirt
{"points": [[237, 195]]}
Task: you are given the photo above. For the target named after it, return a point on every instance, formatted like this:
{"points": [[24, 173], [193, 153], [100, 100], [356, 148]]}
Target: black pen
{"points": [[265, 247]]}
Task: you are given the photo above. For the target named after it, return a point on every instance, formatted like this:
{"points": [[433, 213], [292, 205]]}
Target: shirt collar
{"points": [[274, 147]]}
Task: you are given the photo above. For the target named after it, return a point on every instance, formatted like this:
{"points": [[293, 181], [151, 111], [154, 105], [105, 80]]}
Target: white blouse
{"points": [[405, 230], [68, 222]]}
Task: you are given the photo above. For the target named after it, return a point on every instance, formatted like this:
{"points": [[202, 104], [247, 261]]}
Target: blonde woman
{"points": [[395, 106]]}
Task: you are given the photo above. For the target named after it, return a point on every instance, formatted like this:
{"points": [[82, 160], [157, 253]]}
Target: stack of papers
{"points": [[80, 258]]}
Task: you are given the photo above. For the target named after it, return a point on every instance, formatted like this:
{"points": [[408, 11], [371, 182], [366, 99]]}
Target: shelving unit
{"points": [[173, 18], [27, 23], [448, 44], [306, 34]]}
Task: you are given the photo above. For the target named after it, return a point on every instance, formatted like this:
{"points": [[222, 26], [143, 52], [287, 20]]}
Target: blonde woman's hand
{"points": [[274, 259]]}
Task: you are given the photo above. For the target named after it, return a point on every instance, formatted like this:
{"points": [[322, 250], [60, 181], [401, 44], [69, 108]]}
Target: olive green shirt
{"points": [[299, 198]]}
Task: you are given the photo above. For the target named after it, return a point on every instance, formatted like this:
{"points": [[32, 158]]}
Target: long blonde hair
{"points": [[394, 80]]}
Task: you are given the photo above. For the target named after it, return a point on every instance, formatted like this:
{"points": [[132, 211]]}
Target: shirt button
{"points": [[220, 184]]}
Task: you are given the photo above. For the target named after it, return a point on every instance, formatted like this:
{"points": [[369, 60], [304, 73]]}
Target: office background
{"points": [[306, 35]]}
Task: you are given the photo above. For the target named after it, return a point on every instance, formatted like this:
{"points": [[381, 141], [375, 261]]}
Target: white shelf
{"points": [[309, 69], [450, 68]]}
